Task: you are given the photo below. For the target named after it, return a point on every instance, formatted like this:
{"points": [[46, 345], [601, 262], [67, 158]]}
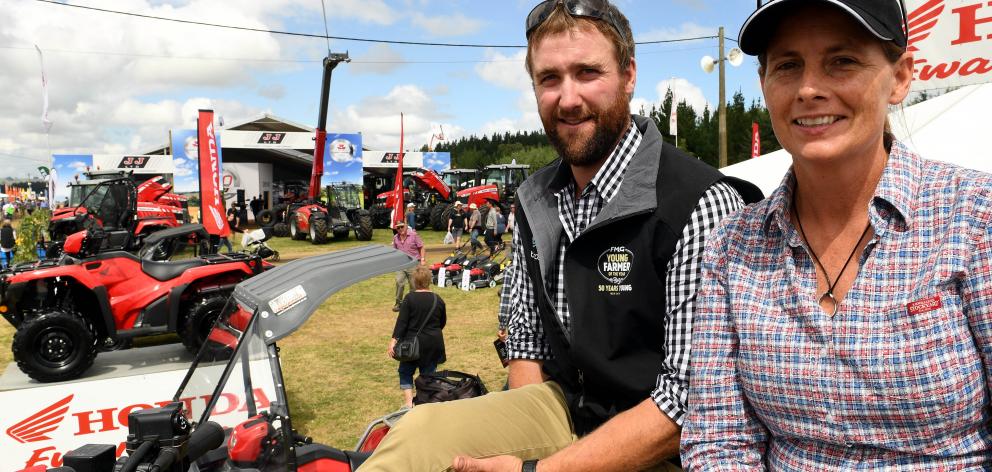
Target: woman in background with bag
{"points": [[417, 341]]}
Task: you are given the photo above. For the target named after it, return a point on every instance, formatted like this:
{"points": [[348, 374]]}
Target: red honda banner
{"points": [[211, 199], [398, 208], [755, 141], [950, 41]]}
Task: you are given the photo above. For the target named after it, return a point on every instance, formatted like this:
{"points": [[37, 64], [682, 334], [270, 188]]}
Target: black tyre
{"points": [[200, 318], [318, 230], [55, 346], [364, 230], [265, 218], [294, 230], [438, 221], [280, 230]]}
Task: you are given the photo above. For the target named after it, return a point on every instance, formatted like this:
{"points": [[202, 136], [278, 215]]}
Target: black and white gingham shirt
{"points": [[518, 302]]}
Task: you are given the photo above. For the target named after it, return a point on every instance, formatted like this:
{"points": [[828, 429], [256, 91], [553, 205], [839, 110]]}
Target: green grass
{"points": [[337, 374]]}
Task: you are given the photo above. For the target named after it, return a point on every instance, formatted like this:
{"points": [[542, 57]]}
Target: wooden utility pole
{"points": [[723, 105]]}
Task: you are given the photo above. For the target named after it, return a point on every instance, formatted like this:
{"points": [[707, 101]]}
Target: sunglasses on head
{"points": [[596, 9]]}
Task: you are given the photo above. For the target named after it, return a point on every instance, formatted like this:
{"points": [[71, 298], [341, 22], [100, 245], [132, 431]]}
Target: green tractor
{"points": [[346, 212]]}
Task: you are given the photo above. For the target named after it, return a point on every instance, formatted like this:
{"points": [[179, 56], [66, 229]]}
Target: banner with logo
{"points": [[951, 41], [69, 167], [45, 422], [212, 213], [185, 156], [342, 159]]}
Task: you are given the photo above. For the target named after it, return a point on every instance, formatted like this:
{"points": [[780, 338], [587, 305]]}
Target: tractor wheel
{"points": [[471, 286], [492, 283], [200, 318], [55, 346], [294, 231], [109, 345], [318, 230], [280, 230], [265, 218], [438, 221], [364, 230]]}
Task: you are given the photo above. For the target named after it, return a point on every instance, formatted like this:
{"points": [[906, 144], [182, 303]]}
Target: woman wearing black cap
{"points": [[846, 321]]}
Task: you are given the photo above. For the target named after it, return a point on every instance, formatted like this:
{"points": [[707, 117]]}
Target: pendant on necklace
{"points": [[829, 296]]}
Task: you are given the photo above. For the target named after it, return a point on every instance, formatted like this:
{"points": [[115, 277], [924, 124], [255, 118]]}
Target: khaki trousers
{"points": [[404, 278], [530, 422]]}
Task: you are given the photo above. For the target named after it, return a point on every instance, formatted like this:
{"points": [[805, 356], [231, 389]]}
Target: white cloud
{"points": [[447, 25], [379, 119], [683, 89], [379, 59], [509, 72]]}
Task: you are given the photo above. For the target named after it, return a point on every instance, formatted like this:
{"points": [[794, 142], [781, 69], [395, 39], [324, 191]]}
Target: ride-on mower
{"points": [[67, 309], [240, 359]]}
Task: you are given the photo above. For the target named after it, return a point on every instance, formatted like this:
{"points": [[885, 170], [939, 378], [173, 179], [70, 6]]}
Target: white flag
{"points": [[45, 122], [673, 119]]}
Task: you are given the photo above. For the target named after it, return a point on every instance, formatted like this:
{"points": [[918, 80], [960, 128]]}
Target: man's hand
{"points": [[490, 464], [390, 351]]}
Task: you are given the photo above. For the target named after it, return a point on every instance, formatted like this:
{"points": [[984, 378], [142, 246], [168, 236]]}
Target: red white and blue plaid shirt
{"points": [[897, 380]]}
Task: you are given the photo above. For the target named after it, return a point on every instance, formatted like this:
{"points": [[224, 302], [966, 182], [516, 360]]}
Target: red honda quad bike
{"points": [[65, 310], [239, 360]]}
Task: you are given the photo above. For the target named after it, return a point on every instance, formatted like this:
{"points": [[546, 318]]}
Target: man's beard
{"points": [[610, 124]]}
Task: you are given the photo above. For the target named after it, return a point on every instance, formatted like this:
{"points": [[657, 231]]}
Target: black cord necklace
{"points": [[829, 294]]}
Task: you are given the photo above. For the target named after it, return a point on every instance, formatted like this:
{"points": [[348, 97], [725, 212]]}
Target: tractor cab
{"points": [[506, 177], [459, 179], [104, 203]]}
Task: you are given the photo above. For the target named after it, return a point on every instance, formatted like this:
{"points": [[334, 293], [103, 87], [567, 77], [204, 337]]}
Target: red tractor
{"points": [[110, 201], [310, 218], [65, 310], [434, 199]]}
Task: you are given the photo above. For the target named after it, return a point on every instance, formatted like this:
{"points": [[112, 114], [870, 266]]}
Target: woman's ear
{"points": [[903, 70]]}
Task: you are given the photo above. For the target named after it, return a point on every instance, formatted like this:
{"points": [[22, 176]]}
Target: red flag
{"points": [[755, 141], [398, 186], [211, 199]]}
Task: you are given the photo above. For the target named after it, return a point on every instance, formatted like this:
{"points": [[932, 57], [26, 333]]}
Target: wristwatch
{"points": [[529, 466]]}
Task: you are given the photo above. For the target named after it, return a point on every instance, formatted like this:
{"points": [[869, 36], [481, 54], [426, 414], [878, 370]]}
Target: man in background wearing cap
{"points": [[411, 215], [474, 227], [408, 241], [606, 250]]}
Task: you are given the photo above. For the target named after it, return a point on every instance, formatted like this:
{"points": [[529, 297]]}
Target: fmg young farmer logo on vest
{"points": [[614, 265]]}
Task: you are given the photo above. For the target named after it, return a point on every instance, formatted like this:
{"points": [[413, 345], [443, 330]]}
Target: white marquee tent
{"points": [[955, 127]]}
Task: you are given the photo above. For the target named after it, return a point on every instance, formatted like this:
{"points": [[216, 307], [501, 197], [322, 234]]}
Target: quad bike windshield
{"points": [[236, 375], [231, 378]]}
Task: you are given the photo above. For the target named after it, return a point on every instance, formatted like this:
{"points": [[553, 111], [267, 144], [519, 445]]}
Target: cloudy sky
{"points": [[118, 83]]}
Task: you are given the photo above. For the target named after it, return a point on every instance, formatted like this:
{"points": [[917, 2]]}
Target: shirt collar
{"points": [[891, 206], [611, 171]]}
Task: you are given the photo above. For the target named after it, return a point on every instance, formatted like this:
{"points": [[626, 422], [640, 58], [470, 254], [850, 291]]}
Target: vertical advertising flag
{"points": [[673, 120], [755, 141], [212, 214], [398, 207]]}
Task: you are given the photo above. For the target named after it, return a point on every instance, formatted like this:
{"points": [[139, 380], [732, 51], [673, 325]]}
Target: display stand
{"points": [[43, 421]]}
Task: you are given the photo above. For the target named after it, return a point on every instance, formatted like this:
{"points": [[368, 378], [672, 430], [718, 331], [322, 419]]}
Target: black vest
{"points": [[615, 282], [7, 240]]}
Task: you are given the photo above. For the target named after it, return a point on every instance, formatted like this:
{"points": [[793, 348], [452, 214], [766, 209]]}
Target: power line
{"points": [[329, 37], [297, 61]]}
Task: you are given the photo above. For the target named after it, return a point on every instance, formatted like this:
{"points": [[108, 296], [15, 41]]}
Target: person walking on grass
{"points": [[408, 241], [420, 308]]}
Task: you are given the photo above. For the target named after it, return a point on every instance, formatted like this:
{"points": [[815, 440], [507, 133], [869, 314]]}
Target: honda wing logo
{"points": [[37, 426], [922, 20]]}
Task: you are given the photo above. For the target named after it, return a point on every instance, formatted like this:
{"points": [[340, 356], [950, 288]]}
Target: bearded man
{"points": [[607, 251]]}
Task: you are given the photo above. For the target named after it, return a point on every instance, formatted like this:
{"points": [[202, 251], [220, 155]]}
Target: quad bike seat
{"points": [[313, 452], [168, 270]]}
